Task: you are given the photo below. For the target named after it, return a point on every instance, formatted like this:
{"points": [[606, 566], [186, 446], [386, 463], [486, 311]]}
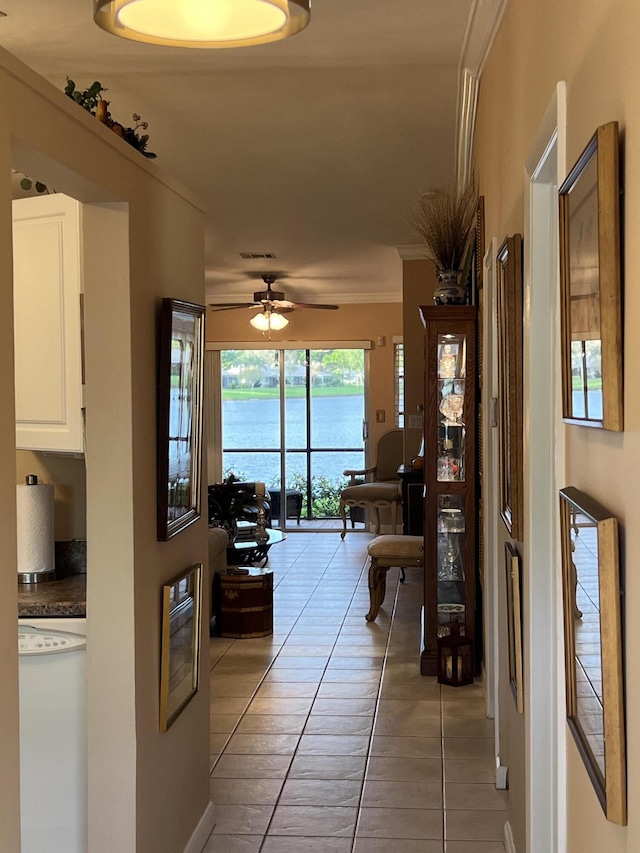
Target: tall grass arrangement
{"points": [[445, 219]]}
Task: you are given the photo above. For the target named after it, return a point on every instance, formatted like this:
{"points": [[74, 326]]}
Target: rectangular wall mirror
{"points": [[514, 623], [590, 283], [593, 645], [509, 284], [181, 610]]}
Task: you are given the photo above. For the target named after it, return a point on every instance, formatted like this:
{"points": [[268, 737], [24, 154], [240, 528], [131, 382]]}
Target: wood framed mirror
{"points": [[509, 288], [590, 286], [593, 645]]}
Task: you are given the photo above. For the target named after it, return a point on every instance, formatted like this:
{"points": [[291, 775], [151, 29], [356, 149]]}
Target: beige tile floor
{"points": [[326, 739]]}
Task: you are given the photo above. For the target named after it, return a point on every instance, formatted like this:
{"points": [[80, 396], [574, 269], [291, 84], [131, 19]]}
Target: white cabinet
{"points": [[47, 272]]}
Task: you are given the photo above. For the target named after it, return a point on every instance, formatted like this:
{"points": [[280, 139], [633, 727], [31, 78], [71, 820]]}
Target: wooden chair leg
{"points": [[394, 516], [343, 513], [377, 588]]}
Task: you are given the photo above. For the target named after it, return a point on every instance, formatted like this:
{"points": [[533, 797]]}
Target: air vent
{"points": [[257, 255]]}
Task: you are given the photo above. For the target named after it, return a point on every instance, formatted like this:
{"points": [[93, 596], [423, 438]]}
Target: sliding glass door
{"points": [[294, 420]]}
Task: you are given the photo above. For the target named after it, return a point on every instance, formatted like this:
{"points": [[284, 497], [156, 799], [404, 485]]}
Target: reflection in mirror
{"points": [[586, 615], [593, 645], [584, 295]]}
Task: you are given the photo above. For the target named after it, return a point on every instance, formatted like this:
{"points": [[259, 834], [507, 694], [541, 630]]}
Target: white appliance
{"points": [[53, 735]]}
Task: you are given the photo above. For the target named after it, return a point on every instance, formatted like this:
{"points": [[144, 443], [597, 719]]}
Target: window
{"points": [[398, 375]]}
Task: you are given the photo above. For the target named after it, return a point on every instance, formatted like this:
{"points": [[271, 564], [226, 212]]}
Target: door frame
{"points": [[544, 472]]}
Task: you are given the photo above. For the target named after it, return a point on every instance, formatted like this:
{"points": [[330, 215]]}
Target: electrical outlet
{"points": [[380, 416]]}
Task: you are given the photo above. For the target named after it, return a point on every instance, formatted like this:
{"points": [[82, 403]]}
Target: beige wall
{"points": [[364, 321], [591, 45], [147, 791]]}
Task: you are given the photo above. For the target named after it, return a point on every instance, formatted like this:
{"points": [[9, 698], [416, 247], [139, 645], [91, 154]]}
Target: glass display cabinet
{"points": [[450, 511]]}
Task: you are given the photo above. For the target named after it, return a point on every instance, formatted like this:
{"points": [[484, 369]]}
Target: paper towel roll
{"points": [[36, 547]]}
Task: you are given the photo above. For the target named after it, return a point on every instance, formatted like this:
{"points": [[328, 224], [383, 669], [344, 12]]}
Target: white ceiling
{"points": [[314, 149]]}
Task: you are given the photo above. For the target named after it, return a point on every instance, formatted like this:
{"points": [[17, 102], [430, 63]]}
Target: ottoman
{"points": [[385, 552]]}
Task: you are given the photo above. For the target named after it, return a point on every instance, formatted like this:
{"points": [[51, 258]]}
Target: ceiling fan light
{"points": [[278, 322], [267, 320], [202, 23]]}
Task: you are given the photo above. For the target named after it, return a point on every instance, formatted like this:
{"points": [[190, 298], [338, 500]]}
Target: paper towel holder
{"points": [[35, 577]]}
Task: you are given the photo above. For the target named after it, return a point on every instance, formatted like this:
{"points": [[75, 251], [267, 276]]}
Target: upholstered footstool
{"points": [[385, 552]]}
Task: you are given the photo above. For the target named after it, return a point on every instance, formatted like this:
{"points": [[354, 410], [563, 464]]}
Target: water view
{"points": [[322, 430]]}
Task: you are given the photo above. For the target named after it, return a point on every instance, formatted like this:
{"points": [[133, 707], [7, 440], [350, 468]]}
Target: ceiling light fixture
{"points": [[269, 320], [202, 23]]}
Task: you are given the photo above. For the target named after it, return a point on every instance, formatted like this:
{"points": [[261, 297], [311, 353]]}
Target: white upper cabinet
{"points": [[47, 281]]}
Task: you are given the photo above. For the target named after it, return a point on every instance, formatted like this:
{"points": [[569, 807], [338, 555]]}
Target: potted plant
{"points": [[445, 219]]}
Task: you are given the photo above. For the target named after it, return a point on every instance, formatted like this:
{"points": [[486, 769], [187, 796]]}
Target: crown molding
{"points": [[482, 28], [413, 252]]}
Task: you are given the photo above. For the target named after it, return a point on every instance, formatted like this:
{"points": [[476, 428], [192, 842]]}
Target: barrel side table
{"points": [[243, 603]]}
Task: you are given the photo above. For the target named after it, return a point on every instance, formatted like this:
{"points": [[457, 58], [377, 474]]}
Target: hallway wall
{"points": [[147, 790], [592, 45]]}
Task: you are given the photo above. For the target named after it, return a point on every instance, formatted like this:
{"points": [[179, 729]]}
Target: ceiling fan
{"points": [[273, 304]]}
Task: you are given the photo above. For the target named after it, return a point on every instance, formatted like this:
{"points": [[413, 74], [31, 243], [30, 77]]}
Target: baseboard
{"points": [[202, 831], [509, 844]]}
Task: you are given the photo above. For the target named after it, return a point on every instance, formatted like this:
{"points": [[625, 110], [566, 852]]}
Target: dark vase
{"points": [[450, 291]]}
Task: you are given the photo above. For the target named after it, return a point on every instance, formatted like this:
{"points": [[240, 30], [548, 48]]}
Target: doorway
{"points": [[293, 419]]}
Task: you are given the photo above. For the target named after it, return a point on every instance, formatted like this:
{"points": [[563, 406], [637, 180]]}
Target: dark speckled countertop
{"points": [[66, 597]]}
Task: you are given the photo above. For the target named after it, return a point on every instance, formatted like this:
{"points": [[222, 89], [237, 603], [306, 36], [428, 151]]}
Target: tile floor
{"points": [[325, 737]]}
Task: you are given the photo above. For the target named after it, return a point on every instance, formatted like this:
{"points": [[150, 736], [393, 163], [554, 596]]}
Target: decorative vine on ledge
{"points": [[92, 101]]}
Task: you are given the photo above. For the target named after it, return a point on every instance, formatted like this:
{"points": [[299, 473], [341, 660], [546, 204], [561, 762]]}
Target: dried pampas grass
{"points": [[445, 219]]}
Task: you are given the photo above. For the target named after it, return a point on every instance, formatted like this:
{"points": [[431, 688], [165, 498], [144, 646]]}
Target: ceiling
{"points": [[313, 149]]}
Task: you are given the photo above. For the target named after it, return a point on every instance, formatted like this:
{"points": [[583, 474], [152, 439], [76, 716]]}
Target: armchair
{"points": [[381, 487]]}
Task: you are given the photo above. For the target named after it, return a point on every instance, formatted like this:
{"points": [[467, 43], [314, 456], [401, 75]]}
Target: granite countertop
{"points": [[66, 597]]}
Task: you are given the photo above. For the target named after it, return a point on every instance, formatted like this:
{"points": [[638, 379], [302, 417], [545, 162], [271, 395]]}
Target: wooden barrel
{"points": [[243, 603]]}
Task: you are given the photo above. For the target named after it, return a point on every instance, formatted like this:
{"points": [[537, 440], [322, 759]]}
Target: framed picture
{"points": [[593, 645], [514, 623], [590, 285], [181, 609], [509, 287], [179, 415]]}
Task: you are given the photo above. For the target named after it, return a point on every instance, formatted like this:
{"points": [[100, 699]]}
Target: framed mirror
{"points": [[590, 286], [514, 623], [179, 416], [593, 645], [181, 609], [509, 278]]}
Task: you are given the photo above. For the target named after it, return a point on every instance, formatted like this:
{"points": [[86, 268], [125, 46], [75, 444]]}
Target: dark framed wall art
{"points": [[179, 415]]}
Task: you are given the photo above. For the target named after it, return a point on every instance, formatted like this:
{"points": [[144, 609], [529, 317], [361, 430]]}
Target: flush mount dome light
{"points": [[202, 23]]}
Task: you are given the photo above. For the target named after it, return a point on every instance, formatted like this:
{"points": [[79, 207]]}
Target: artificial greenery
{"points": [[90, 98], [27, 185]]}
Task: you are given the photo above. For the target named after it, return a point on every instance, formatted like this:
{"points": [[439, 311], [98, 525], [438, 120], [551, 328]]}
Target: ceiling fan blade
{"points": [[313, 305], [225, 306]]}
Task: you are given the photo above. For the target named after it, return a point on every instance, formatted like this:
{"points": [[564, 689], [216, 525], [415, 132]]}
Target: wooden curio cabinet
{"points": [[450, 507]]}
